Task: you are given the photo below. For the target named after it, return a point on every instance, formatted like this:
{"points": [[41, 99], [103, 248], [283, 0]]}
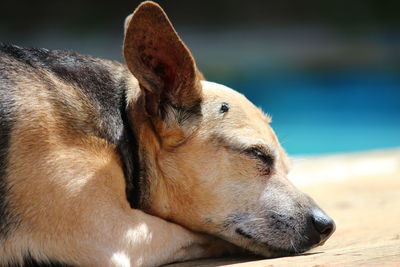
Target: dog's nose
{"points": [[323, 224], [321, 228]]}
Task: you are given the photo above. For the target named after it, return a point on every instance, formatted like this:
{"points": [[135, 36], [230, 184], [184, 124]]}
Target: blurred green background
{"points": [[327, 71]]}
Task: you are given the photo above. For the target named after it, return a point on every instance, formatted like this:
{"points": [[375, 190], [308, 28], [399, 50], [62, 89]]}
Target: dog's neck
{"points": [[145, 146], [154, 134]]}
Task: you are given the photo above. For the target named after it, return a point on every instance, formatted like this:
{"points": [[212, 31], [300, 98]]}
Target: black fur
{"points": [[128, 148], [7, 219], [87, 73], [243, 233], [30, 262], [107, 94]]}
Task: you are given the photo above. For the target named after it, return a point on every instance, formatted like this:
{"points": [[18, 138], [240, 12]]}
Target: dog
{"points": [[139, 164]]}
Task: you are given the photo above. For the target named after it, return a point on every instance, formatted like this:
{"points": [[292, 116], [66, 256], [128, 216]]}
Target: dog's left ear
{"points": [[161, 62]]}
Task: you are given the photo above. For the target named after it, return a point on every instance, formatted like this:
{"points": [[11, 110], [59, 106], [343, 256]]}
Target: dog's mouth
{"points": [[269, 250], [277, 235]]}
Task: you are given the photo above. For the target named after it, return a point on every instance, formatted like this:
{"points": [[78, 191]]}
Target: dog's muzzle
{"points": [[319, 227]]}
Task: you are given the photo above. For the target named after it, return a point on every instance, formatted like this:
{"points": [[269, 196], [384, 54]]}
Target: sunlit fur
{"points": [[106, 164], [207, 184]]}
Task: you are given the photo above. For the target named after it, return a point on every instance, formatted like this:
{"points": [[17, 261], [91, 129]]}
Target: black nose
{"points": [[320, 227], [323, 223]]}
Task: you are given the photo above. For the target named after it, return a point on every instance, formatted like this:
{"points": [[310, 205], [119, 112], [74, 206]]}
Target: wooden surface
{"points": [[361, 191]]}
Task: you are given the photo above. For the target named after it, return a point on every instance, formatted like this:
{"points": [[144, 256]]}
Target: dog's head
{"points": [[211, 159]]}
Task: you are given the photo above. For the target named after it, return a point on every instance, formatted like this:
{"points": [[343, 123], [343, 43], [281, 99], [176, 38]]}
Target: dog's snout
{"points": [[320, 228], [323, 224]]}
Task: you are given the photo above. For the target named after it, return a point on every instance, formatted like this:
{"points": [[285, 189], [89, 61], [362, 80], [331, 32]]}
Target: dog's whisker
{"points": [[293, 246]]}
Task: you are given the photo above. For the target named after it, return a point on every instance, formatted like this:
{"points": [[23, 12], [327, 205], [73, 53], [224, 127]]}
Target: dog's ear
{"points": [[126, 23], [161, 62]]}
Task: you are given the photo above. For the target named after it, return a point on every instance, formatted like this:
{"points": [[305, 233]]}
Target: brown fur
{"points": [[67, 183]]}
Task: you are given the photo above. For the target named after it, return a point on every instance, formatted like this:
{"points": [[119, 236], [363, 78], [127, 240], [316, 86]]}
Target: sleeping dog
{"points": [[143, 163]]}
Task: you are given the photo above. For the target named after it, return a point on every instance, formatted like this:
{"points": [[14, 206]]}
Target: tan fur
{"points": [[189, 167], [197, 180], [68, 186], [76, 209]]}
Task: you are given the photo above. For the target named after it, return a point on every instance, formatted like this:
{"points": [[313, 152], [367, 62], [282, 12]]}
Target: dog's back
{"points": [[88, 90], [55, 100], [89, 80]]}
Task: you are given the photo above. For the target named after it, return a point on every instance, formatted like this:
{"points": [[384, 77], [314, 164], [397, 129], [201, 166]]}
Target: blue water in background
{"points": [[328, 112]]}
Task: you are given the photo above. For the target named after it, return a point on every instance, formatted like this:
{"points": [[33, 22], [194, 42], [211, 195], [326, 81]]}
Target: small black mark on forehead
{"points": [[224, 107]]}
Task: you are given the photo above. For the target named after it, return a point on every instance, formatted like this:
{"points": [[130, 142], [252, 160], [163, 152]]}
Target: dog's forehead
{"points": [[216, 90], [242, 122], [217, 94]]}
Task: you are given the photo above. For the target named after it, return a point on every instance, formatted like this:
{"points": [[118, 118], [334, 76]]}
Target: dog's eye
{"points": [[265, 158]]}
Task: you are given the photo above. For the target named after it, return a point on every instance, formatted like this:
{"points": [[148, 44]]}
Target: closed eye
{"points": [[264, 155], [266, 159]]}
